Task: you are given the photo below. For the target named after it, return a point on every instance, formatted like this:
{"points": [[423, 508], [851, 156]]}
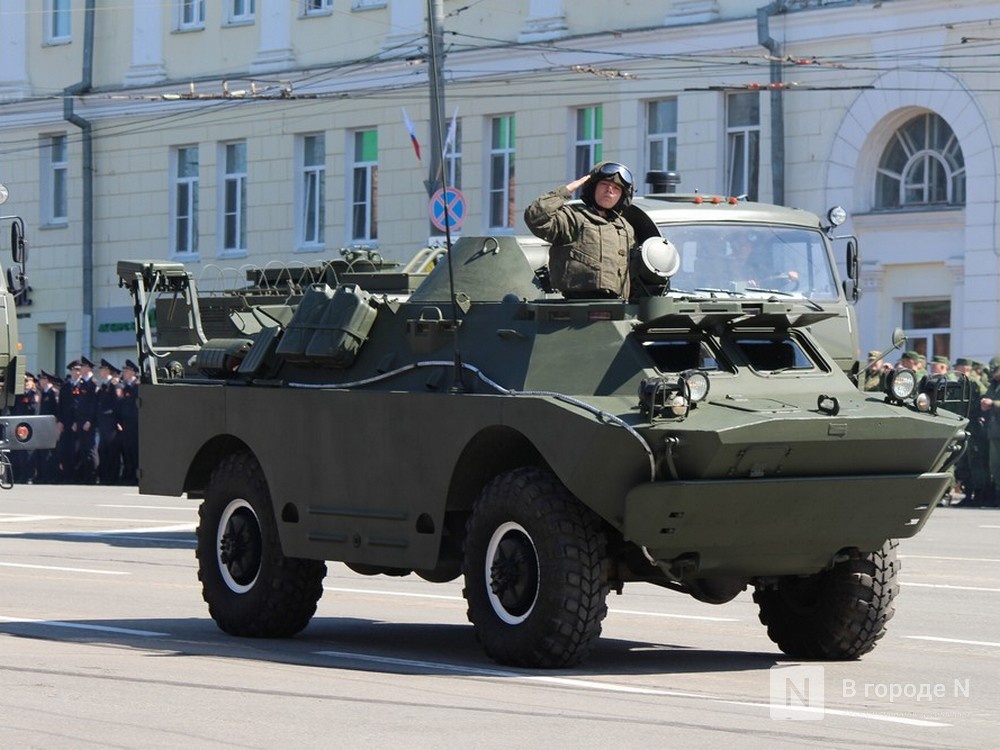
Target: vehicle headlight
{"points": [[901, 384], [836, 215], [698, 385]]}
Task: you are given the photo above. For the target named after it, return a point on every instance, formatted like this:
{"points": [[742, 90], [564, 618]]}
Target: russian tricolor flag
{"points": [[413, 134]]}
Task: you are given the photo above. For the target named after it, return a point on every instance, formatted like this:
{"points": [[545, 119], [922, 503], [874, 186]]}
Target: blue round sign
{"points": [[447, 209]]}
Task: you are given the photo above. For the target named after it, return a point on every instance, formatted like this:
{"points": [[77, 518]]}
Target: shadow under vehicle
{"points": [[706, 436]]}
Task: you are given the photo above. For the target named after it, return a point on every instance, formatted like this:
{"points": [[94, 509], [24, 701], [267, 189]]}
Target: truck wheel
{"points": [[535, 579], [251, 588], [836, 614]]}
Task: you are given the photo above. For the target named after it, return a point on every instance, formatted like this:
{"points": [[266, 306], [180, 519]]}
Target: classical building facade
{"points": [[243, 133]]}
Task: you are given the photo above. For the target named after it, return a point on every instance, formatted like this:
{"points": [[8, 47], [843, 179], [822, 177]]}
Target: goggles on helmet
{"points": [[613, 169]]}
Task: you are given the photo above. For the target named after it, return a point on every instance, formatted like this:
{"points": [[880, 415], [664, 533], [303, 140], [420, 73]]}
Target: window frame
{"points": [[55, 181], [665, 141], [184, 195], [197, 20], [588, 143], [920, 161], [743, 150], [237, 17], [58, 13], [234, 215], [310, 192], [362, 218], [312, 8], [501, 155]]}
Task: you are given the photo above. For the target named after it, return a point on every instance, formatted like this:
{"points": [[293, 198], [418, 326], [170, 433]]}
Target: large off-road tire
{"points": [[535, 578], [251, 588], [837, 614]]}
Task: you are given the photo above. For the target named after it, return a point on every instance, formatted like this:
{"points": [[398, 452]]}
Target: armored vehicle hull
{"points": [[547, 450]]}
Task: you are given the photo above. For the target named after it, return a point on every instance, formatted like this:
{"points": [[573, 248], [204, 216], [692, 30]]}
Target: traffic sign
{"points": [[455, 205]]}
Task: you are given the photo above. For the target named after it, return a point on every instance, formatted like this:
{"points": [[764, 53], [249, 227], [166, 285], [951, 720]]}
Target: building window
{"points": [[233, 184], [190, 14], [185, 208], [316, 7], [312, 196], [922, 166], [927, 324], [55, 168], [502, 208], [364, 187], [661, 135], [58, 29], [742, 144], [588, 147], [241, 11]]}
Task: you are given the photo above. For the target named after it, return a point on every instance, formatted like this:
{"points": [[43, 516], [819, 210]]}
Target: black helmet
{"points": [[618, 174]]}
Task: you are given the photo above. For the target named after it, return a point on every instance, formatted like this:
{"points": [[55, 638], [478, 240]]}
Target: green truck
{"points": [[707, 436], [30, 431]]}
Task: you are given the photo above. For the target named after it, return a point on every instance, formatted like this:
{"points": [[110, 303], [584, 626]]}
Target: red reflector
{"points": [[716, 200], [600, 315], [733, 201], [22, 432], [698, 199]]}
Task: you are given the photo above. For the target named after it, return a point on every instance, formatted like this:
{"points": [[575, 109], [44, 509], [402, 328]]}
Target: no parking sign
{"points": [[452, 200]]}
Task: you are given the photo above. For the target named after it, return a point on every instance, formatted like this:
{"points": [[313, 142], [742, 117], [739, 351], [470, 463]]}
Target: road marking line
{"points": [[956, 559], [604, 686], [121, 532], [65, 570], [148, 507], [379, 592], [989, 526], [25, 519], [990, 644], [82, 626], [949, 586]]}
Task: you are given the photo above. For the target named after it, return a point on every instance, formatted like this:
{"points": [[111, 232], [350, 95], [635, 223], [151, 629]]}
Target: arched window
{"points": [[921, 166]]}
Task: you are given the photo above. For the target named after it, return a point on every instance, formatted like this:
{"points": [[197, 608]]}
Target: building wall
{"points": [[862, 68]]}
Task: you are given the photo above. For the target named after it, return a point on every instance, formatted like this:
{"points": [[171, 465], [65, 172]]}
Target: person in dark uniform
{"points": [[129, 421], [86, 424], [25, 404], [109, 462], [66, 447], [46, 461]]}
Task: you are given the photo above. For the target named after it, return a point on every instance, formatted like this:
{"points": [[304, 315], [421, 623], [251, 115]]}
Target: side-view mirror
{"points": [[898, 338], [18, 248]]}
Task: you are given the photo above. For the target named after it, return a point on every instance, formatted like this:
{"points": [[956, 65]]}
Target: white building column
{"points": [[546, 20], [14, 81], [147, 65], [275, 51]]}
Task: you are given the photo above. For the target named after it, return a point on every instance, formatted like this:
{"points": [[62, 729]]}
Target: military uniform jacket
{"points": [[49, 403], [993, 414], [85, 393], [107, 408], [589, 252], [128, 406]]}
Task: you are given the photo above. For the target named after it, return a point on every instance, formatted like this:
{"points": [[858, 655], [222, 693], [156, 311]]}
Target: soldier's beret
{"points": [[911, 355], [939, 359]]}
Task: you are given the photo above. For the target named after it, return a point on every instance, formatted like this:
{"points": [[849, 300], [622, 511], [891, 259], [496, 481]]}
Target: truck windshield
{"points": [[752, 259]]}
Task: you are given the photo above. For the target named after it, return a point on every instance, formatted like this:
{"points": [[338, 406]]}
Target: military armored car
{"points": [[706, 436]]}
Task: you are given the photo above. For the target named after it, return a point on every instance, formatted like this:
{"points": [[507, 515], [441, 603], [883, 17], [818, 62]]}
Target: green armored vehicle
{"points": [[706, 437]]}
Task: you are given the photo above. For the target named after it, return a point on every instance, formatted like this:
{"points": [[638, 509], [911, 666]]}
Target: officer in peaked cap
{"points": [[85, 426], [129, 420], [108, 418], [66, 447], [46, 462], [25, 403]]}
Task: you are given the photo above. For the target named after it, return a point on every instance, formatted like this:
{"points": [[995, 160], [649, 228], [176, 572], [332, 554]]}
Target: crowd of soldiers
{"points": [[977, 474], [98, 424]]}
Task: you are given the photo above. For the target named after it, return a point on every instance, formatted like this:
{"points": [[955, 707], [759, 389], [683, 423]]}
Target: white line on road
{"points": [[64, 570], [84, 626], [954, 559], [186, 508], [603, 686], [989, 644], [611, 610], [26, 519], [151, 530], [949, 586]]}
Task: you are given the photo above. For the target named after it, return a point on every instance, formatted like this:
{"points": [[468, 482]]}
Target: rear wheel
{"points": [[251, 588], [837, 614], [535, 578]]}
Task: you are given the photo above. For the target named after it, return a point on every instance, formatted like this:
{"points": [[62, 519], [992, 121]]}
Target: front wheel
{"points": [[251, 588], [535, 579], [836, 614]]}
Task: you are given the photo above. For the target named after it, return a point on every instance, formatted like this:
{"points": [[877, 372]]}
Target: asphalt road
{"points": [[105, 642]]}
